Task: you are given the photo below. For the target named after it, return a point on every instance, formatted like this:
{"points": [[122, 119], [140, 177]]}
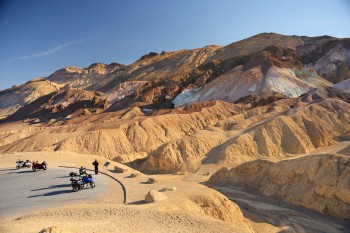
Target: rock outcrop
{"points": [[155, 196], [92, 77], [59, 104]]}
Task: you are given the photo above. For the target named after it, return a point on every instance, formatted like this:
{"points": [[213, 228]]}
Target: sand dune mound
{"points": [[321, 183]]}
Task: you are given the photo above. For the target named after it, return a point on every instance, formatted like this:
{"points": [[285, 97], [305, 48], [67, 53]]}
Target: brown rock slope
{"points": [[331, 60], [170, 73], [114, 135], [319, 182], [17, 96], [58, 105], [284, 128], [272, 70], [208, 132], [92, 77], [204, 133]]}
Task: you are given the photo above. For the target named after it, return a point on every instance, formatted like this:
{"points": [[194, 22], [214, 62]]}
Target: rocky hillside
{"points": [[16, 97], [284, 128], [130, 109], [169, 78], [270, 97], [60, 105], [91, 77], [321, 183], [185, 138]]}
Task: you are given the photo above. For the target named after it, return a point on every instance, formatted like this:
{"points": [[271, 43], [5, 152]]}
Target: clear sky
{"points": [[38, 37]]}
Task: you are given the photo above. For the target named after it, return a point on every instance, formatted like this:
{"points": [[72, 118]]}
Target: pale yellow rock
{"points": [[155, 196], [54, 229], [121, 169]]}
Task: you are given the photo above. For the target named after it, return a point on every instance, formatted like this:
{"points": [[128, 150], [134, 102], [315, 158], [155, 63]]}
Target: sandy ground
{"points": [[108, 213]]}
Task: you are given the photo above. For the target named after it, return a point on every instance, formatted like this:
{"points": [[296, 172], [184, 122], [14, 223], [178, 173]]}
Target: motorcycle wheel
{"points": [[92, 184], [34, 169], [44, 167], [75, 188]]}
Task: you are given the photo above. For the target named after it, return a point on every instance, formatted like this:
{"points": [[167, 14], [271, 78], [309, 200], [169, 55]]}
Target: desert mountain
{"points": [[271, 68], [91, 77], [62, 104], [17, 96], [166, 75], [269, 97]]}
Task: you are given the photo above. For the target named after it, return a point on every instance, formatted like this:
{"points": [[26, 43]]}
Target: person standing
{"points": [[95, 163]]}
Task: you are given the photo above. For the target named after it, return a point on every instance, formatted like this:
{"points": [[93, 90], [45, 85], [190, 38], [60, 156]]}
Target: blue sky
{"points": [[41, 36]]}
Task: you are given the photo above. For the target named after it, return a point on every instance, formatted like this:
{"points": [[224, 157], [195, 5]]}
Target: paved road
{"points": [[23, 190], [281, 214]]}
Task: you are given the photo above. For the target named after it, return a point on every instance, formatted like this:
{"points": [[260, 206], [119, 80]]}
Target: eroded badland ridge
{"points": [[269, 113]]}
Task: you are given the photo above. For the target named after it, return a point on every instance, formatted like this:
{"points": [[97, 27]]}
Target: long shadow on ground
{"points": [[21, 172], [53, 187], [54, 193]]}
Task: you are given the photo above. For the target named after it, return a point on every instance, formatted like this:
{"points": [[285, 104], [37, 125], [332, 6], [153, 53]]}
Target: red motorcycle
{"points": [[36, 165]]}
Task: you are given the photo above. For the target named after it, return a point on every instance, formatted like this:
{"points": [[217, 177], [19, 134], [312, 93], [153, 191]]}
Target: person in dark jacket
{"points": [[95, 163]]}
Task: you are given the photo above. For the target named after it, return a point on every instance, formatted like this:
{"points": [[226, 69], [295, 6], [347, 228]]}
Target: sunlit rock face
{"points": [[94, 75]]}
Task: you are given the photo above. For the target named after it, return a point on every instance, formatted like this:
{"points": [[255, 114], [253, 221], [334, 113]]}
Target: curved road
{"points": [[23, 190], [281, 214]]}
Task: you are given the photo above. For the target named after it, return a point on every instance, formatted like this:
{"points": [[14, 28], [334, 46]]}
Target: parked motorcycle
{"points": [[20, 164], [36, 165], [79, 182]]}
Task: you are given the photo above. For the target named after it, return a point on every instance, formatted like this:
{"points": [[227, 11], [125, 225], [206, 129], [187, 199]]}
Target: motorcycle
{"points": [[37, 165], [79, 182], [20, 164]]}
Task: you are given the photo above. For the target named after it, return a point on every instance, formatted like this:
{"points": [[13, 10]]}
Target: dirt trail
{"points": [[286, 217]]}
